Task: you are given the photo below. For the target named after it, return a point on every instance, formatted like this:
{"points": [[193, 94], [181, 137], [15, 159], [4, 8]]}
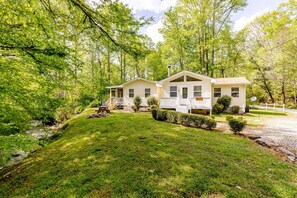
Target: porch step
{"points": [[182, 109]]}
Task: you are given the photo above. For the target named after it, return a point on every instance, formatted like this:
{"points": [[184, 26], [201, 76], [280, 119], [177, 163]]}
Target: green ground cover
{"points": [[132, 155]]}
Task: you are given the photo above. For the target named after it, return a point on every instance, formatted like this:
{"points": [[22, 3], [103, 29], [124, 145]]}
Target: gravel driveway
{"points": [[277, 132]]}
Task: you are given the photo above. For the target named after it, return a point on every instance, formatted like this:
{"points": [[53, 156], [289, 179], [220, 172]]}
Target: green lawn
{"points": [[254, 118], [132, 155]]}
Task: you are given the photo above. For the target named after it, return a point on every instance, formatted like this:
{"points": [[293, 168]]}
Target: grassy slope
{"points": [[134, 155], [9, 145]]}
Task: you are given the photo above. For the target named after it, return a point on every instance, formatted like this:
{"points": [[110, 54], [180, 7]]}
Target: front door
{"points": [[184, 96], [185, 93]]}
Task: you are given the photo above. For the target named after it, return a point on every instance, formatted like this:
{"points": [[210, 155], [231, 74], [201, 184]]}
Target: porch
{"points": [[116, 98], [186, 104]]}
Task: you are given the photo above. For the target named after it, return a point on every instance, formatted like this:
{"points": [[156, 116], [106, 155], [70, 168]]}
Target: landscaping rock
{"points": [[265, 141], [17, 158], [98, 115], [288, 153], [35, 123], [254, 137], [40, 134]]}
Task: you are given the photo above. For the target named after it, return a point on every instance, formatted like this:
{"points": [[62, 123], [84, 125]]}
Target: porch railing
{"points": [[168, 102], [192, 103]]}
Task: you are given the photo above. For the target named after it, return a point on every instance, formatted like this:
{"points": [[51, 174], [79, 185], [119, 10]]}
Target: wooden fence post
{"points": [[274, 107], [266, 106]]}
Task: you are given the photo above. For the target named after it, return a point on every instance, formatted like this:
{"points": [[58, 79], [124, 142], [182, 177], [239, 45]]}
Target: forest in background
{"points": [[57, 57]]}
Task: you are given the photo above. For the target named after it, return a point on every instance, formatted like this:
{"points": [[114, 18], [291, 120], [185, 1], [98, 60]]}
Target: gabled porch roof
{"points": [[213, 80]]}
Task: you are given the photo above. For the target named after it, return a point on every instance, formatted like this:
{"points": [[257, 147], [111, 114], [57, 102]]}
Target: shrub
{"points": [[228, 117], [48, 118], [154, 113], [247, 109], [225, 101], [9, 129], [137, 102], [79, 109], [63, 114], [172, 117], [236, 125], [199, 121], [85, 99], [153, 107], [210, 123], [217, 108], [187, 119], [95, 103], [159, 114], [152, 101], [184, 118], [134, 108], [235, 109]]}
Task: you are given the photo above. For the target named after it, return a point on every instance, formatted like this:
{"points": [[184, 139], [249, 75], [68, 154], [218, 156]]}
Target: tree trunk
{"points": [[265, 81], [124, 74], [108, 66], [284, 92], [223, 72], [213, 36], [121, 64], [93, 75], [137, 69], [206, 62], [295, 90]]}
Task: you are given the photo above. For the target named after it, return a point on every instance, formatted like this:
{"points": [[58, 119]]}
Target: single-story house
{"points": [[184, 91]]}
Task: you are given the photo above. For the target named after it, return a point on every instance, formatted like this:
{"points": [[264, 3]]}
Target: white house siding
{"points": [[226, 90], [205, 83], [159, 92], [139, 87]]}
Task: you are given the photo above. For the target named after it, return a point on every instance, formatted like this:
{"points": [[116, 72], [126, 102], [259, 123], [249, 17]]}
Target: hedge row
{"points": [[185, 119]]}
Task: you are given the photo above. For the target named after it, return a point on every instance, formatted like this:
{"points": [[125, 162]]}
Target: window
{"points": [[147, 92], [180, 79], [197, 91], [191, 79], [235, 91], [113, 95], [131, 93], [217, 92], [120, 93], [173, 91]]}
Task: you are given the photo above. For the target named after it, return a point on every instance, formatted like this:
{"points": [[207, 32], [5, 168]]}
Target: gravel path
{"points": [[277, 132]]}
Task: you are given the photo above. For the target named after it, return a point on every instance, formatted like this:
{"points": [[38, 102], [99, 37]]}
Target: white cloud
{"points": [[243, 21], [153, 31], [156, 6]]}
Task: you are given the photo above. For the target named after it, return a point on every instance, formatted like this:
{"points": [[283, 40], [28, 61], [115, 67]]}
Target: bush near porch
{"points": [[185, 119]]}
